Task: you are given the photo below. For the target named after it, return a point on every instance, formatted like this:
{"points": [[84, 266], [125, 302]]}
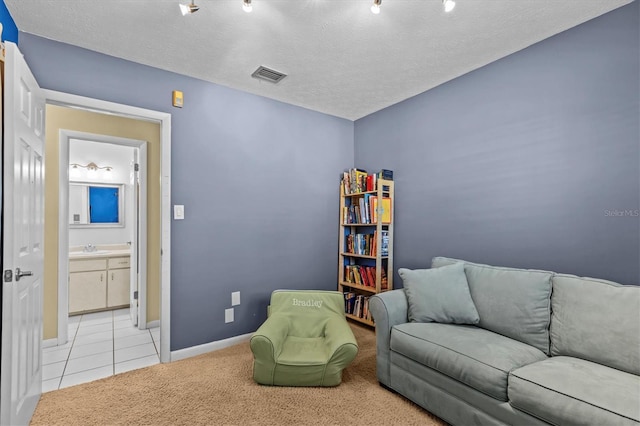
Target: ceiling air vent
{"points": [[268, 74]]}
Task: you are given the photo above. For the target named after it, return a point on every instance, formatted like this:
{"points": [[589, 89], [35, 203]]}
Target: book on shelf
{"points": [[385, 174], [366, 208], [349, 300], [385, 214], [383, 211], [357, 305], [384, 243], [371, 182], [358, 180], [363, 211], [361, 244], [361, 275]]}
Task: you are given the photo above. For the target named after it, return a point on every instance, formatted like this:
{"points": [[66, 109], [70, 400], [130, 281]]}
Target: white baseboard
{"points": [[49, 343], [153, 324], [208, 347]]}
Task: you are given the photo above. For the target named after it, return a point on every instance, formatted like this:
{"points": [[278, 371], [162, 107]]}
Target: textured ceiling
{"points": [[340, 58]]}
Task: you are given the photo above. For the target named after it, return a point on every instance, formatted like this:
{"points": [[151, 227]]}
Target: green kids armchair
{"points": [[305, 341]]}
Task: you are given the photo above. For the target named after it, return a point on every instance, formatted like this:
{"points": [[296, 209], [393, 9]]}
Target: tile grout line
{"points": [[66, 363], [154, 343]]}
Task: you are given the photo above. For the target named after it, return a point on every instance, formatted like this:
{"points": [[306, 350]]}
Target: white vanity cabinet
{"points": [[87, 285], [98, 283], [118, 280]]}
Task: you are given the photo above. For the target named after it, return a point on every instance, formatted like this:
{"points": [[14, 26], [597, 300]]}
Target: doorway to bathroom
{"points": [[102, 242], [106, 224], [102, 261]]}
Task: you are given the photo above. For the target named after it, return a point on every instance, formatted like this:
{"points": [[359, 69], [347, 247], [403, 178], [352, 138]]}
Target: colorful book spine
{"points": [[358, 180]]}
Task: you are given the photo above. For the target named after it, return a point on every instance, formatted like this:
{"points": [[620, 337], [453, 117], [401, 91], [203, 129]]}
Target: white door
{"points": [[133, 280], [138, 288], [22, 244]]}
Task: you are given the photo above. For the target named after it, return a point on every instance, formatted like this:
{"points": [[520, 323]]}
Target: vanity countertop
{"points": [[118, 250]]}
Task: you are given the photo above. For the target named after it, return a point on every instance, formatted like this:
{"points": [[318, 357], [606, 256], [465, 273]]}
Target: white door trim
{"points": [[63, 226], [105, 107]]}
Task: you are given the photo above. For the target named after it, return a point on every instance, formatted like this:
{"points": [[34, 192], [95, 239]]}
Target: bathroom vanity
{"points": [[99, 279]]}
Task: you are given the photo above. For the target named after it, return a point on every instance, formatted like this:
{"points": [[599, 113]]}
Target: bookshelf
{"points": [[365, 264]]}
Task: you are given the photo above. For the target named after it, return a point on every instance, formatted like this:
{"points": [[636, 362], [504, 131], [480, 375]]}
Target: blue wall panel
{"points": [[532, 161], [9, 28]]}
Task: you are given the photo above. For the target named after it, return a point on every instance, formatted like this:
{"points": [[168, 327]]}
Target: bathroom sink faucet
{"points": [[89, 248]]}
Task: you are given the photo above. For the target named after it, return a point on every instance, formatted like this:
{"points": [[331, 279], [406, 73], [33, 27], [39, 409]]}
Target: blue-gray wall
{"points": [[258, 178], [525, 161], [513, 164]]}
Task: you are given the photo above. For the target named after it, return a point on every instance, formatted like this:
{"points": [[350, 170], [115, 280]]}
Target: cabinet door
{"points": [[87, 291], [118, 287]]}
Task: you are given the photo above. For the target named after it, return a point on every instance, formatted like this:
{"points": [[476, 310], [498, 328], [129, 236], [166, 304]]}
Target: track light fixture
{"points": [[187, 9], [375, 7], [448, 5]]}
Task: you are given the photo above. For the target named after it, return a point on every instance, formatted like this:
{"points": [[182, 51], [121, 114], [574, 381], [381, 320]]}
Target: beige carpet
{"points": [[218, 389]]}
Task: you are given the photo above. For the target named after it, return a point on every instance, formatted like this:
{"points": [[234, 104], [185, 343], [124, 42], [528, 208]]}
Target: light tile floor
{"points": [[100, 345]]}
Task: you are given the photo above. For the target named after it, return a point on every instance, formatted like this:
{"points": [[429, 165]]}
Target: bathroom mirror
{"points": [[96, 205]]}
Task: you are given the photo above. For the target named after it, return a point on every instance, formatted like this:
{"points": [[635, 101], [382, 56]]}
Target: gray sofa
{"points": [[548, 349]]}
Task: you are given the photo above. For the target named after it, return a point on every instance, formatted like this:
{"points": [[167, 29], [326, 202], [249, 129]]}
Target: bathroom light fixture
{"points": [[186, 9], [92, 170], [375, 7], [246, 6], [448, 5]]}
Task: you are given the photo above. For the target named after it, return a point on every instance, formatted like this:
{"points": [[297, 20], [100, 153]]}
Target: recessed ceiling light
{"points": [[448, 5], [375, 7]]}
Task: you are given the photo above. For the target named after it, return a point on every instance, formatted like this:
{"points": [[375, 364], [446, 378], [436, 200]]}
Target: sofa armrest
{"points": [[388, 309]]}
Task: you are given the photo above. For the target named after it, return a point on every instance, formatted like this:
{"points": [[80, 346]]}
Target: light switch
{"points": [[178, 212], [235, 298], [228, 315]]}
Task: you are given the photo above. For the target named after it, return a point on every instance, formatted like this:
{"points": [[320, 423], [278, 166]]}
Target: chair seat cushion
{"points": [[476, 357], [303, 351], [571, 391]]}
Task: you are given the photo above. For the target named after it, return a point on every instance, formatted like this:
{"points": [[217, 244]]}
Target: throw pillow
{"points": [[439, 295]]}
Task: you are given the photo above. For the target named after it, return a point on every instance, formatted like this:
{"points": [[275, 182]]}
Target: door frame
{"points": [[164, 119], [140, 247]]}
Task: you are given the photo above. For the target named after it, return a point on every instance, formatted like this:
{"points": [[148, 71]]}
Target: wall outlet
{"points": [[228, 315], [235, 298]]}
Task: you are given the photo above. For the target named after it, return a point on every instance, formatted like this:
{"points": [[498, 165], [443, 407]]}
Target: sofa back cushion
{"points": [[512, 302], [596, 320]]}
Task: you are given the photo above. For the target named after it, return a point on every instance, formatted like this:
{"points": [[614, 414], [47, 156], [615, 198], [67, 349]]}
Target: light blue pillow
{"points": [[439, 295]]}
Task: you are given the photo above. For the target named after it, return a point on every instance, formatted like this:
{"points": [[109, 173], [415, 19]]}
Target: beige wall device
{"points": [[178, 99]]}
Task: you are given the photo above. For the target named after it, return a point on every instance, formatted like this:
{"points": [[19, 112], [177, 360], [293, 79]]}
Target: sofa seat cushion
{"points": [[571, 391], [474, 356]]}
